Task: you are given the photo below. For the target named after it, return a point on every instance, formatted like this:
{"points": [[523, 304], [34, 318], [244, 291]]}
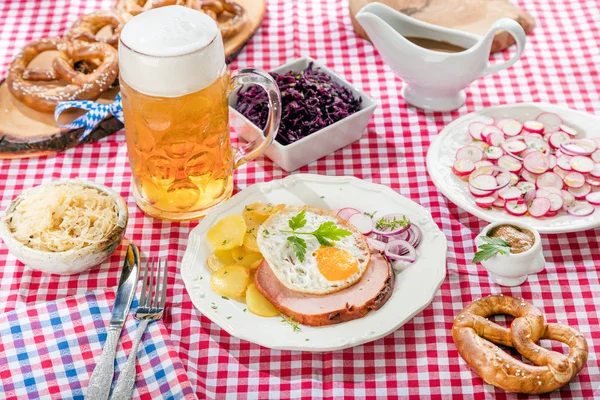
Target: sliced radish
{"points": [[510, 193], [484, 182], [510, 163], [483, 163], [463, 167], [568, 130], [493, 153], [480, 145], [549, 179], [579, 147], [515, 208], [568, 198], [469, 152], [552, 161], [514, 146], [594, 182], [595, 172], [525, 186], [596, 156], [593, 198], [564, 162], [536, 162], [574, 179], [560, 172], [495, 138], [346, 213], [533, 126], [547, 191], [480, 193], [558, 138], [486, 120], [556, 202], [580, 192], [499, 203], [581, 209], [485, 202], [582, 164], [362, 222], [514, 179], [536, 142], [475, 128], [512, 128], [529, 196], [539, 207], [550, 121], [500, 123], [528, 176]]}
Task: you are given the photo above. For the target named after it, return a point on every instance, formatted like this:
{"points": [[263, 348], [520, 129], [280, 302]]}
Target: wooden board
{"points": [[473, 16], [255, 11]]}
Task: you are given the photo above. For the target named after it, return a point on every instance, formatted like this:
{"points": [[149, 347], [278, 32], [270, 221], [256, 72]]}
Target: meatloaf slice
{"points": [[370, 293]]}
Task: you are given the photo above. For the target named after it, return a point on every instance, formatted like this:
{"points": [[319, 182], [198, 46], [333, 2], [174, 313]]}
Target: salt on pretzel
{"points": [[214, 8], [476, 338], [87, 27], [42, 95]]}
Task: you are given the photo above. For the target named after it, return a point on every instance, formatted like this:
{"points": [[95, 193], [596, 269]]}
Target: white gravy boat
{"points": [[434, 80]]}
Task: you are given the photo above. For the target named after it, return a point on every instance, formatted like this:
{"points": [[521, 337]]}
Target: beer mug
{"points": [[174, 88]]}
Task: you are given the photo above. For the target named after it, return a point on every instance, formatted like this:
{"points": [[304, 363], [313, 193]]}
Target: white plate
{"points": [[442, 153], [414, 289]]}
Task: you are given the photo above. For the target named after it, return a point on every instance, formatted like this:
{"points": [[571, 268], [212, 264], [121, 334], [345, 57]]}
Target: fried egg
{"points": [[324, 269]]}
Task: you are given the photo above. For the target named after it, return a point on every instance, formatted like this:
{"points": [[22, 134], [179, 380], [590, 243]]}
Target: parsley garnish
{"points": [[490, 248], [225, 297], [372, 215], [213, 306], [224, 242], [325, 233], [392, 224], [244, 310], [290, 320], [322, 197], [249, 209], [224, 272], [229, 317], [266, 232]]}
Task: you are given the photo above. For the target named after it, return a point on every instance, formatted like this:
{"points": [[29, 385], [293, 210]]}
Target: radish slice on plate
{"points": [[536, 142], [595, 172], [536, 162], [484, 182], [558, 138], [596, 156], [595, 182], [533, 126], [560, 172], [512, 128], [475, 129], [469, 152], [580, 192], [493, 153], [514, 146], [574, 180], [483, 163], [568, 130], [579, 147], [581, 209], [549, 179], [486, 120], [515, 208], [564, 162], [550, 121], [528, 176], [581, 164], [539, 207], [362, 222], [593, 198], [346, 213], [529, 196], [568, 198], [510, 163], [488, 130], [514, 179], [552, 160], [525, 186], [495, 138], [500, 124], [479, 193], [556, 202], [510, 193], [463, 167], [499, 202], [485, 202]]}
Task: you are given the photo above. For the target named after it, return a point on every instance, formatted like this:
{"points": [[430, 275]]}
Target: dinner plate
{"points": [[413, 291], [442, 154]]}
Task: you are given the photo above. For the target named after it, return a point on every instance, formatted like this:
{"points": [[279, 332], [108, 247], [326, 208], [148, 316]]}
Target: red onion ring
{"points": [[376, 244], [400, 250], [390, 217]]}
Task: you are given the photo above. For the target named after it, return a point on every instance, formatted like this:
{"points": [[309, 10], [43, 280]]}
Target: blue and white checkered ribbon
{"points": [[96, 112]]}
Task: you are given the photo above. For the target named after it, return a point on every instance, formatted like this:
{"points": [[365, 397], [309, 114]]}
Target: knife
{"points": [[102, 377]]}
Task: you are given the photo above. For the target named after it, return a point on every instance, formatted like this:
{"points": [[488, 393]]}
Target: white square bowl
{"points": [[317, 144]]}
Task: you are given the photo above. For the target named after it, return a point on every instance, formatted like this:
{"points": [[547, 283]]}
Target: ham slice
{"points": [[370, 293]]}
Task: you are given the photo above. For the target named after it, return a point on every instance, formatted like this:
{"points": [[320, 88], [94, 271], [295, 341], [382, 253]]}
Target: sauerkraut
{"points": [[63, 217]]}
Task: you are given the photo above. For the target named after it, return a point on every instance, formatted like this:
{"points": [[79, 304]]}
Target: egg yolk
{"points": [[336, 264]]}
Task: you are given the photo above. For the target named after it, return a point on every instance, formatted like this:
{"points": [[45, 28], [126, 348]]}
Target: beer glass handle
{"points": [[251, 76]]}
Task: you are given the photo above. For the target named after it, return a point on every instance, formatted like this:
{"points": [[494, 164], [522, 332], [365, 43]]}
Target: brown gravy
{"points": [[435, 45], [519, 239]]}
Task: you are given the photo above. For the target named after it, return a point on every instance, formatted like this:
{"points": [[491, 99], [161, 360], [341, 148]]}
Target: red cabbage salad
{"points": [[311, 100]]}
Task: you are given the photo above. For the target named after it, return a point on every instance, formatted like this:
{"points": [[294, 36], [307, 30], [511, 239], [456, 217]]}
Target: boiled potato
{"points": [[227, 233], [230, 281], [219, 258], [258, 304], [259, 212], [250, 238], [247, 259]]}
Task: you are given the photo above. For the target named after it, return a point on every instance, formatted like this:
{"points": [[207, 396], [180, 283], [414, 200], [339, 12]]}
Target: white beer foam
{"points": [[171, 51]]}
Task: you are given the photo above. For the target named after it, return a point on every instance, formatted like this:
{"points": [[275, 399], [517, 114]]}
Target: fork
{"points": [[150, 309]]}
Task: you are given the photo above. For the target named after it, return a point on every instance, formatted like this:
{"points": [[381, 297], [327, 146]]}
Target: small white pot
{"points": [[70, 261], [513, 269]]}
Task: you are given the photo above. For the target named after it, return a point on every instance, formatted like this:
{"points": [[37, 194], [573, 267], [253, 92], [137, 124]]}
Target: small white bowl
{"points": [[513, 269], [318, 144], [70, 261]]}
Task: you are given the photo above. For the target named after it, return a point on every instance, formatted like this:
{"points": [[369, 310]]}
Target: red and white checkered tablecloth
{"points": [[561, 65]]}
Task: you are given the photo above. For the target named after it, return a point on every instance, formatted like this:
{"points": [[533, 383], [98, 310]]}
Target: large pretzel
{"points": [[214, 8], [87, 26], [476, 337], [130, 8], [32, 87]]}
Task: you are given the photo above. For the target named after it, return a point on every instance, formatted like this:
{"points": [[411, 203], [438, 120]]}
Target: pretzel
{"points": [[130, 8], [87, 26], [476, 337], [42, 95], [214, 8]]}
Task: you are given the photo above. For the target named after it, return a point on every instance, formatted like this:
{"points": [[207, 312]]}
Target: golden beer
{"points": [[174, 89]]}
